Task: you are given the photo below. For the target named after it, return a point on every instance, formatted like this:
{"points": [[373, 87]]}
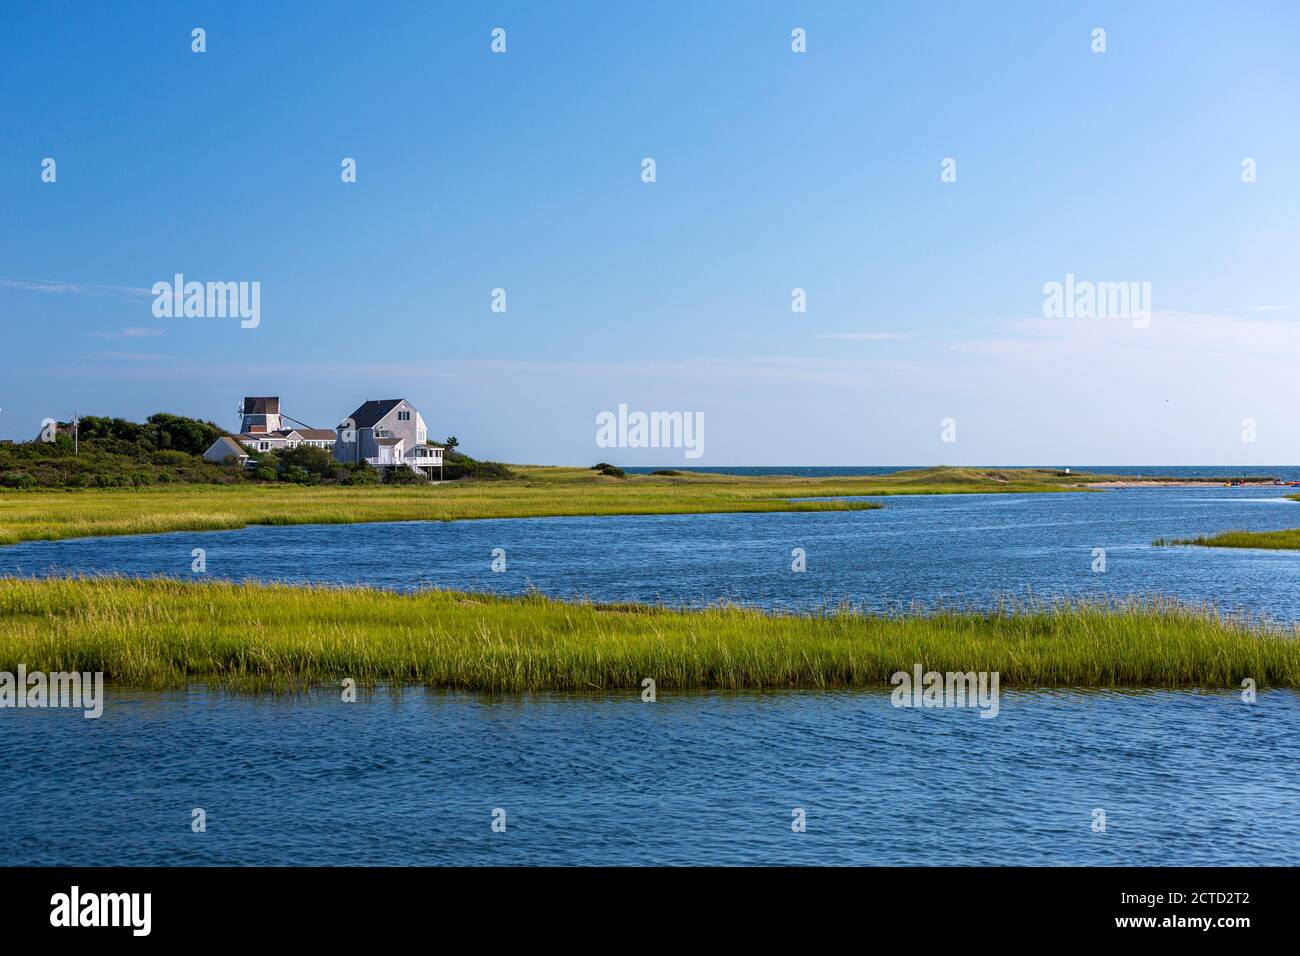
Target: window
{"points": [[403, 416]]}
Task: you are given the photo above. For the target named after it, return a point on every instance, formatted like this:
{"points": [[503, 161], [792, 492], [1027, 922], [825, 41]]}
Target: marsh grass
{"points": [[1288, 540], [536, 492], [168, 633]]}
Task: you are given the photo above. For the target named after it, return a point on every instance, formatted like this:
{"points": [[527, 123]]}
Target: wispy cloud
{"points": [[57, 287], [131, 332], [134, 356], [1174, 335], [867, 336]]}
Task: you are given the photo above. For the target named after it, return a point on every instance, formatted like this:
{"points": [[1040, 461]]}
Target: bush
{"points": [[456, 466], [401, 475], [613, 472], [116, 453], [361, 474], [188, 436], [171, 459], [314, 461]]}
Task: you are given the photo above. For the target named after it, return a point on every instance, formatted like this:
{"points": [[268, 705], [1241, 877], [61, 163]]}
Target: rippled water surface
{"points": [[964, 549], [1182, 778]]}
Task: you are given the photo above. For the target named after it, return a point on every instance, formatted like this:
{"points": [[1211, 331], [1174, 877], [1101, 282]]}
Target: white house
{"points": [[289, 438], [226, 447], [388, 433]]}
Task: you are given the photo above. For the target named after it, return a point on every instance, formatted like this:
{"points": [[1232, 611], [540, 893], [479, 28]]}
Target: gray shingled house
{"points": [[388, 433]]}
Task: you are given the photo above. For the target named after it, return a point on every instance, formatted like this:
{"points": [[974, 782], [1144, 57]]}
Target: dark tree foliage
{"points": [[313, 462], [116, 453], [403, 476], [456, 466]]}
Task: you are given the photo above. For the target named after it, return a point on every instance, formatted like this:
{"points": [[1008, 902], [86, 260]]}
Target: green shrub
{"points": [[312, 460], [171, 459], [361, 474], [456, 466], [401, 475]]}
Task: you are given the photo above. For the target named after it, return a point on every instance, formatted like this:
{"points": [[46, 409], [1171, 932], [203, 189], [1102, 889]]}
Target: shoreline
{"points": [[1182, 483]]}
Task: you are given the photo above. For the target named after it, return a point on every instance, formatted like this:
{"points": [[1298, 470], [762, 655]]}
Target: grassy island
{"points": [[160, 633], [1287, 540]]}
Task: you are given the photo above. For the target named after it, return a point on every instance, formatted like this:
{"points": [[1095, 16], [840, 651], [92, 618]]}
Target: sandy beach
{"points": [[1205, 483]]}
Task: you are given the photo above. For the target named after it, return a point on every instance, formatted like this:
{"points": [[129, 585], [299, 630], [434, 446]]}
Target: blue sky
{"points": [[775, 170]]}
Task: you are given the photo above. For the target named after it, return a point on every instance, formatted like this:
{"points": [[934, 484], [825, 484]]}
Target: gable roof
{"points": [[232, 446], [370, 413], [316, 434], [267, 405]]}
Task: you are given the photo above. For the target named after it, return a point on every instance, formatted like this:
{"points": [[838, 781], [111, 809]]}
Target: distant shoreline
{"points": [[1182, 483]]}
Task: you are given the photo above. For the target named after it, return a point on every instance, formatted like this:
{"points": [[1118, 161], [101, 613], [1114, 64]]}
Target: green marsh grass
{"points": [[1285, 540], [536, 492], [1288, 540], [164, 633]]}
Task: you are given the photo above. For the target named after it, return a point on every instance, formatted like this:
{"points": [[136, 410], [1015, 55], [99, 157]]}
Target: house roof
{"points": [[266, 405], [313, 434], [370, 413], [389, 441], [234, 447]]}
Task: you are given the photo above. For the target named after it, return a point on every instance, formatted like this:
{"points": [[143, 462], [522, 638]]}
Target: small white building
{"points": [[226, 447]]}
